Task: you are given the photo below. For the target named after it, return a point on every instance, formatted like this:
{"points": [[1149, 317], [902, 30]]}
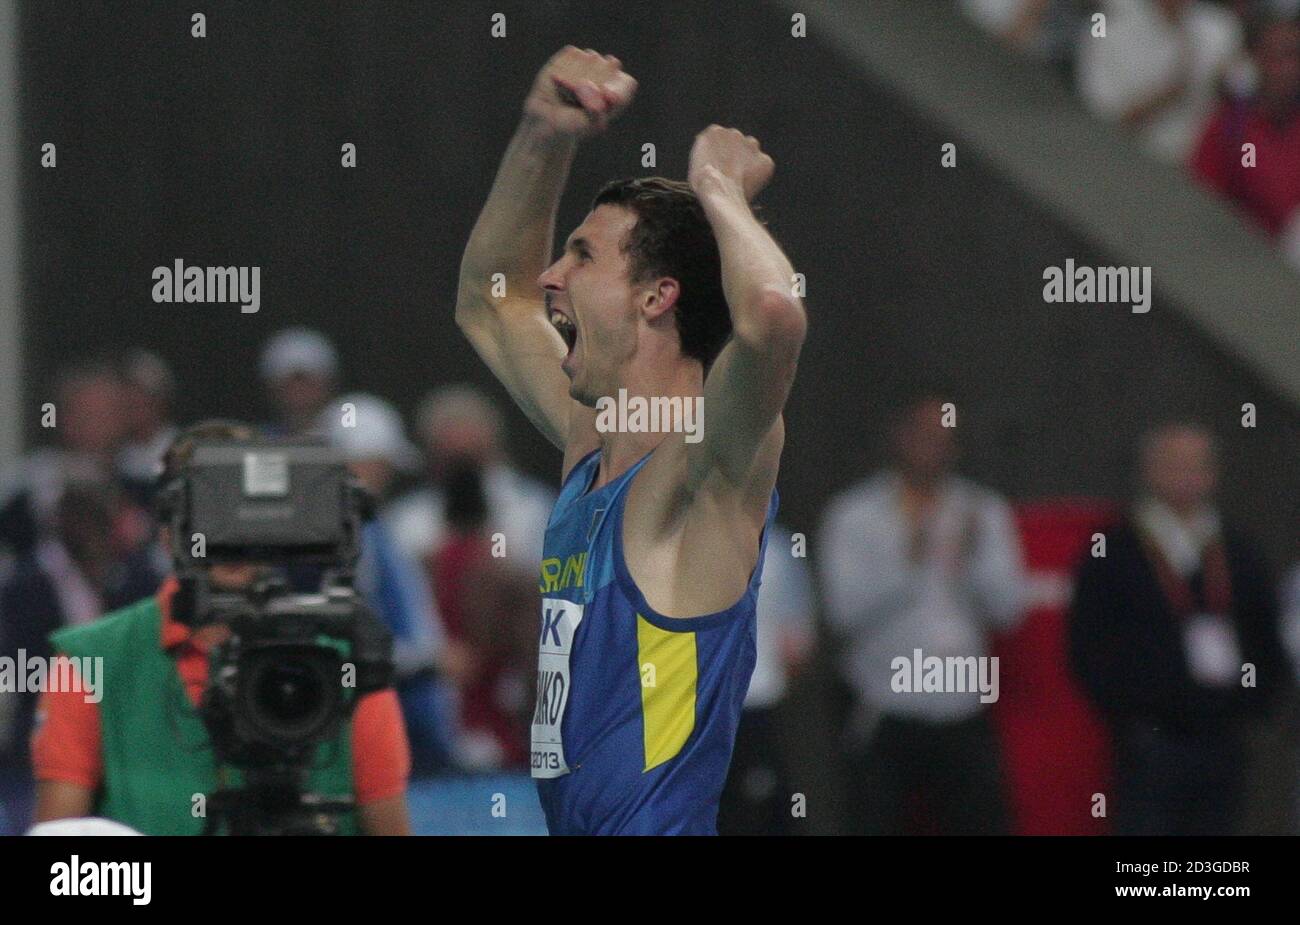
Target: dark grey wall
{"points": [[225, 150]]}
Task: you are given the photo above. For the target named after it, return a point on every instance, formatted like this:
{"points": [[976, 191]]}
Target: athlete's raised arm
{"points": [[751, 378], [574, 96]]}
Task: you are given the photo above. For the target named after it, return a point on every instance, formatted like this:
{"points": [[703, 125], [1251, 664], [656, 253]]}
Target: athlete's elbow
{"points": [[776, 322], [468, 316], [471, 324]]}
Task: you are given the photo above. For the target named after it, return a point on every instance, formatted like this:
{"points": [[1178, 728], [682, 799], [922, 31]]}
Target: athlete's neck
{"points": [[621, 450]]}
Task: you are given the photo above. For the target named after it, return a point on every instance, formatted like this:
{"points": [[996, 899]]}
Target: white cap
{"points": [[363, 426], [299, 350]]}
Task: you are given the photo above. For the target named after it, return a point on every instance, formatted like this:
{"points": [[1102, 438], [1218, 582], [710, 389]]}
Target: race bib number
{"points": [[560, 621]]}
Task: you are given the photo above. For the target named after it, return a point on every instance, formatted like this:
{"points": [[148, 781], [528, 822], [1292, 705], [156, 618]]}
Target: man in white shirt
{"points": [[1158, 68], [918, 567], [459, 422]]}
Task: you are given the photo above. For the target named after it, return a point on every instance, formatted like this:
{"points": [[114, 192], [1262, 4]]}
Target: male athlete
{"points": [[651, 567]]}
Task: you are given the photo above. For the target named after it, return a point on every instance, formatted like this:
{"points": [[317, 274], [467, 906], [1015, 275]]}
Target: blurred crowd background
{"points": [[1104, 692], [898, 532], [1191, 79]]}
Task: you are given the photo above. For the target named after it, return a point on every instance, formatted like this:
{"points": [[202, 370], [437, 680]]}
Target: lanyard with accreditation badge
{"points": [[1209, 641]]}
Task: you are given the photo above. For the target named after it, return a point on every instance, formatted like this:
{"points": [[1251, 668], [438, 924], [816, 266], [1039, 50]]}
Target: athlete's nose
{"points": [[551, 278]]}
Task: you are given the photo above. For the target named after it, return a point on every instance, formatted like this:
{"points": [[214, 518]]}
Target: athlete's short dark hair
{"points": [[672, 237]]}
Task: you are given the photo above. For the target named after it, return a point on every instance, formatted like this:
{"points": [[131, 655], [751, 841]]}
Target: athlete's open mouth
{"points": [[568, 330]]}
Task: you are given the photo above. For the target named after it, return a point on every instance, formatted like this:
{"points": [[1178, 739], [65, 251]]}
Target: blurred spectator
{"points": [[148, 392], [72, 577], [1158, 69], [756, 797], [368, 432], [88, 425], [300, 370], [489, 606], [917, 558], [1043, 29], [1162, 629], [1269, 118], [456, 424]]}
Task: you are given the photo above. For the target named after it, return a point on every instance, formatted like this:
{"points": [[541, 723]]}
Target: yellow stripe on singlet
{"points": [[668, 676]]}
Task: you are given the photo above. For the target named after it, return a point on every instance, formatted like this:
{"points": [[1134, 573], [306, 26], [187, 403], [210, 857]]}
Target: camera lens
{"points": [[290, 693]]}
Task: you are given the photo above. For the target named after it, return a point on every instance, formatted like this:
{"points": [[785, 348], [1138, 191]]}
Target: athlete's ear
{"points": [[660, 297]]}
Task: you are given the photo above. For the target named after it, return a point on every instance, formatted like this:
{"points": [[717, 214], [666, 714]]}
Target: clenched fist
{"points": [[577, 92], [727, 155]]}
